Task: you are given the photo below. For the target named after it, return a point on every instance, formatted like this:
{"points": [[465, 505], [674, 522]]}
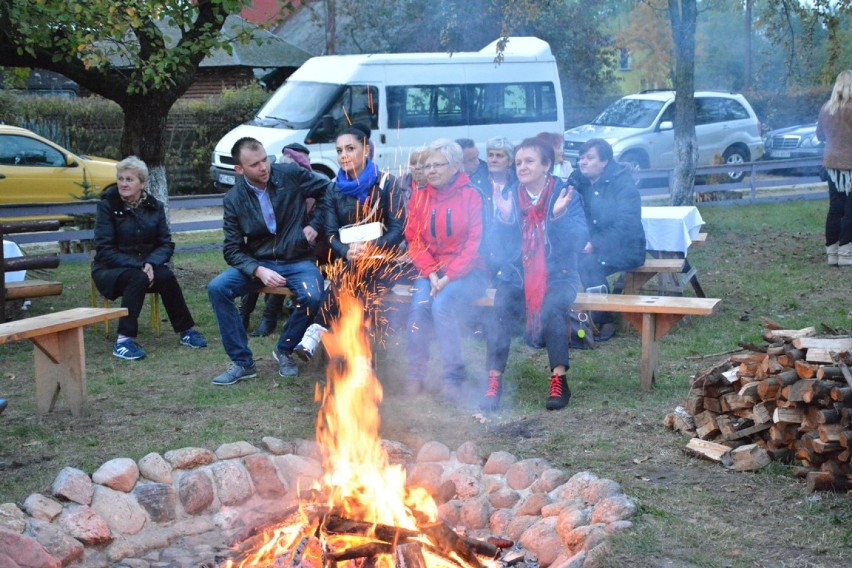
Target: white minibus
{"points": [[408, 100]]}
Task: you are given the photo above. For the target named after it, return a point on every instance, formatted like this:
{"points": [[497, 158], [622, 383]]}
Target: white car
{"points": [[640, 129]]}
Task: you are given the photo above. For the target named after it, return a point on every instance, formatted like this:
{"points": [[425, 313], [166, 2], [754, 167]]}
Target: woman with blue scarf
{"points": [[363, 194]]}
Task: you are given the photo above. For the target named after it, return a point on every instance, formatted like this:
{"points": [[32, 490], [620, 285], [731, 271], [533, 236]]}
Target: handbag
{"points": [[581, 333], [364, 230]]}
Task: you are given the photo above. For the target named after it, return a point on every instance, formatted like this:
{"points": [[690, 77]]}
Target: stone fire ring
{"points": [[189, 506]]}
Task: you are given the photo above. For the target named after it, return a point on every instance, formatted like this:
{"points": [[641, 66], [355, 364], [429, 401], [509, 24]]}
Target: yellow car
{"points": [[35, 170]]}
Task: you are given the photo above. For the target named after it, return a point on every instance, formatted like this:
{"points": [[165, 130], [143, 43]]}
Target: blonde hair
{"points": [[842, 92], [134, 164]]}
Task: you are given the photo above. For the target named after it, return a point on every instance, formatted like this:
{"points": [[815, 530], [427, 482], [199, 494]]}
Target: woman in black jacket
{"points": [[133, 246], [363, 198]]}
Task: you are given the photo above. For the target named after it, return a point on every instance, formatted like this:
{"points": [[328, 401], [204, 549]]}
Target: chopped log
{"points": [[449, 542], [776, 350], [733, 401], [409, 555], [694, 404], [500, 542], [770, 365], [820, 394], [782, 455], [483, 547], [710, 450], [806, 370], [844, 370], [751, 430], [788, 415], [750, 390], [817, 355], [762, 412], [828, 344], [845, 438], [707, 431], [821, 447], [841, 394], [749, 358], [793, 353], [713, 404], [770, 324], [711, 376], [790, 334], [750, 457], [830, 432], [797, 390], [339, 525], [828, 416], [367, 550], [787, 377], [748, 370], [824, 481], [715, 391], [769, 389], [829, 373], [844, 456]]}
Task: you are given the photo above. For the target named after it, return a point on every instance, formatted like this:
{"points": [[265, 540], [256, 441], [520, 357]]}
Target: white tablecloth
{"points": [[671, 229], [11, 250]]}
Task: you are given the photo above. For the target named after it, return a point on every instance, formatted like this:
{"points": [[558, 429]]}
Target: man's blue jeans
{"points": [[303, 278], [445, 313]]}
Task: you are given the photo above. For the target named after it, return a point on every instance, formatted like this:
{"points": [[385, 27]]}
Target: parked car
{"points": [[35, 170], [640, 129], [794, 142]]}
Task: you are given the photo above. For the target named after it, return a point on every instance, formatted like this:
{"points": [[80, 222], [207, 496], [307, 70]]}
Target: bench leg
{"points": [[60, 365], [650, 351]]}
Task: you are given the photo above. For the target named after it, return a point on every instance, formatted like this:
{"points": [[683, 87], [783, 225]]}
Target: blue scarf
{"points": [[359, 188]]}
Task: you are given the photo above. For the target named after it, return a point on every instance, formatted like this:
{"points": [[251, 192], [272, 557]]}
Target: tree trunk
{"points": [[682, 14], [144, 136], [330, 26]]}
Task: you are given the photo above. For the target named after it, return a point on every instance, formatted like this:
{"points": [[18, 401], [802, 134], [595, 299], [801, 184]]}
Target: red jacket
{"points": [[444, 229]]}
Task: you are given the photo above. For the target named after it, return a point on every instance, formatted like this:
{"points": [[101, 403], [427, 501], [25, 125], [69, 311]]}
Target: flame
{"points": [[359, 482]]}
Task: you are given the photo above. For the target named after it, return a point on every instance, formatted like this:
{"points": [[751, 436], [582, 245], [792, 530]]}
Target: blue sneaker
{"points": [[128, 350], [193, 338], [3, 405], [235, 374], [287, 366]]}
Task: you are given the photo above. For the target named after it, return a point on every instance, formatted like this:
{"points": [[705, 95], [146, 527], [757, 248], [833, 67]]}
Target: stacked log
{"points": [[789, 399]]}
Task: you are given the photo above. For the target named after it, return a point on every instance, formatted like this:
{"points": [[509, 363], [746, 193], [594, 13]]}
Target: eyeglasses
{"points": [[435, 166]]}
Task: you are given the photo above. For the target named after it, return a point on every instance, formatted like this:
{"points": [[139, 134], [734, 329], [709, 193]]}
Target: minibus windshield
{"points": [[298, 104]]}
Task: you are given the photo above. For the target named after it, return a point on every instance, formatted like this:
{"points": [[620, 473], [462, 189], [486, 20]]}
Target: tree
{"points": [[159, 43], [683, 16]]}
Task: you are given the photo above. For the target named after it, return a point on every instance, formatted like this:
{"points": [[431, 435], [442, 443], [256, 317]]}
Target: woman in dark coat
{"points": [[614, 216], [362, 194], [538, 232], [133, 246]]}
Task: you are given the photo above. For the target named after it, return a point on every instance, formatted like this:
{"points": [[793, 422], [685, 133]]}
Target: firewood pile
{"points": [[789, 399]]}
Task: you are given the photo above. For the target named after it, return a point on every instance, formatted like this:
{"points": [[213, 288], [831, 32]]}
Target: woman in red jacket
{"points": [[443, 231]]}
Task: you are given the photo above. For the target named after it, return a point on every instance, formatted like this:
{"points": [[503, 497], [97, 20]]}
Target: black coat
{"points": [[247, 239], [128, 238], [342, 210], [613, 209]]}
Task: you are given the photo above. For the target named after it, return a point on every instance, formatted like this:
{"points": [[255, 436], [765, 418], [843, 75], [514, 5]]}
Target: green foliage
{"points": [[85, 220]]}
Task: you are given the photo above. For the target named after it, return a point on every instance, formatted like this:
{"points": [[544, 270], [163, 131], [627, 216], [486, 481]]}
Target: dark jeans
{"points": [[838, 221], [303, 278], [510, 307], [133, 284], [441, 316]]}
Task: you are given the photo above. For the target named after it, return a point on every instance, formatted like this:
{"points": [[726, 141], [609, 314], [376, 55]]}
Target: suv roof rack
{"points": [[643, 91]]}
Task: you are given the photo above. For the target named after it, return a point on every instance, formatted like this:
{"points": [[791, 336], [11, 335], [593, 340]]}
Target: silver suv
{"points": [[640, 129]]}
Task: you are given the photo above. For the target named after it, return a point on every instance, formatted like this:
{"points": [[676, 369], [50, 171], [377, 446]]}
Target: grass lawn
{"points": [[762, 260]]}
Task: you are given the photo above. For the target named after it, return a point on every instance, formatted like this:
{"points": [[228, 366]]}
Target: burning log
{"points": [[450, 543], [409, 555]]}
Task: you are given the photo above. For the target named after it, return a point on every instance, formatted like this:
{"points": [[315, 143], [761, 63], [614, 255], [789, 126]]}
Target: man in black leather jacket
{"points": [[268, 242]]}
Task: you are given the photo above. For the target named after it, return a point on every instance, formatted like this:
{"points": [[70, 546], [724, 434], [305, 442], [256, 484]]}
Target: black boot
{"points": [[247, 304], [271, 311], [267, 325]]}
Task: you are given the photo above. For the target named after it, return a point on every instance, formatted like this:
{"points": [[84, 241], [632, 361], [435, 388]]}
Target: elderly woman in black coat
{"points": [[133, 247]]}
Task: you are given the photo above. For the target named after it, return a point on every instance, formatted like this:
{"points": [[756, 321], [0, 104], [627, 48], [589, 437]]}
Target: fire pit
{"points": [[347, 500]]}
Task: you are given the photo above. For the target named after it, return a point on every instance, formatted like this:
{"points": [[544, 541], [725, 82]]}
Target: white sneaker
{"points": [[313, 335]]}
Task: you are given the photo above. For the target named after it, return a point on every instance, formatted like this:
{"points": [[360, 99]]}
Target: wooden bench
{"points": [[637, 277], [59, 352], [652, 316]]}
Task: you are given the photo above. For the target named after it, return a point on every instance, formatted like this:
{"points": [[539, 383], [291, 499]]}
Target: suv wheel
{"points": [[738, 156]]}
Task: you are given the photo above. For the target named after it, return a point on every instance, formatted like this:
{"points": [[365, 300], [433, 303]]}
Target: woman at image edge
{"points": [[835, 128]]}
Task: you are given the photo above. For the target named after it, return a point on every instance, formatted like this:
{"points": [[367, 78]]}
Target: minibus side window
{"points": [[357, 104], [506, 103], [423, 106]]}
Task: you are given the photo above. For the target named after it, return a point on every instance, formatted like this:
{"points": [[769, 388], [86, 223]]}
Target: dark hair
{"points": [[466, 143], [545, 149], [552, 138], [359, 130], [599, 144], [247, 142]]}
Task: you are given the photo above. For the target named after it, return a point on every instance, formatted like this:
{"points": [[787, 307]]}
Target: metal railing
{"points": [[753, 181]]}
